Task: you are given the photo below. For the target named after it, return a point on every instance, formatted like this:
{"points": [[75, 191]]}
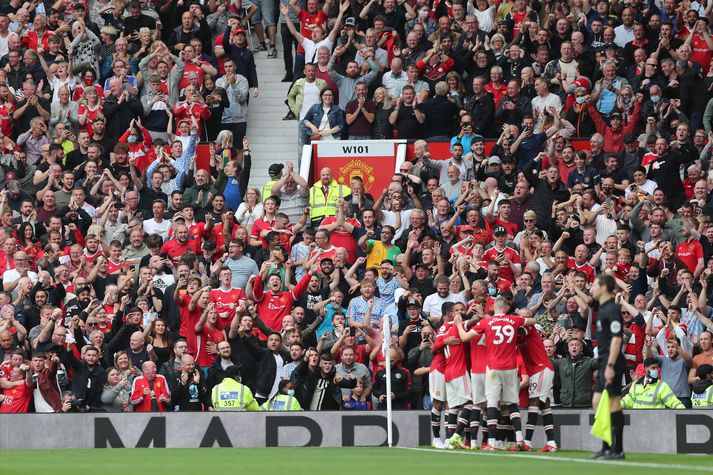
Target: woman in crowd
{"points": [[325, 120]]}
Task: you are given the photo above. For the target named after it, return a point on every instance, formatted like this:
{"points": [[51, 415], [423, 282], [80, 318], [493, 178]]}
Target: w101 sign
{"points": [[372, 160], [357, 148]]}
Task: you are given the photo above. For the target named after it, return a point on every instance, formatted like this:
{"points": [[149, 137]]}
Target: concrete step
{"points": [[272, 140]]}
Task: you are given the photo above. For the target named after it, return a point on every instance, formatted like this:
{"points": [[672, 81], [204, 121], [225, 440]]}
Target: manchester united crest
{"points": [[356, 168]]}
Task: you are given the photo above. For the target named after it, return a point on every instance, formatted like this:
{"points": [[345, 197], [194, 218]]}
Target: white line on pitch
{"points": [[622, 463]]}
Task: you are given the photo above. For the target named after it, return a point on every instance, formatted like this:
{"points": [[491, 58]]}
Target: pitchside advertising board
{"points": [[654, 431]]}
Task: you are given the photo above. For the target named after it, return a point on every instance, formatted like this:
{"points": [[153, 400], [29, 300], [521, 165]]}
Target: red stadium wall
{"points": [[441, 150]]}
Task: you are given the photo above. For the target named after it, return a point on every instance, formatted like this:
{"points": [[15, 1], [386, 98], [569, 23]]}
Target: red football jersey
{"points": [[505, 271], [689, 252], [17, 399], [225, 304], [439, 359], [456, 363], [501, 340], [215, 336], [586, 268], [533, 352], [478, 355]]}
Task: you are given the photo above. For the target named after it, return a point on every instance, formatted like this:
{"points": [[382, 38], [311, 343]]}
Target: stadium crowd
{"points": [[135, 281]]}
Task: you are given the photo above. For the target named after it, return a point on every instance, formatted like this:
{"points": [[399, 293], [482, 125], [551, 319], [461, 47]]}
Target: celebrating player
{"points": [[501, 379]]}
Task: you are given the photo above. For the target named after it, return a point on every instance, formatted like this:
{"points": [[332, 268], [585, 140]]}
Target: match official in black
{"points": [[611, 362]]}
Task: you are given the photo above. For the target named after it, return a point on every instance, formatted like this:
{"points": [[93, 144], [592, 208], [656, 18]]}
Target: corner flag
{"points": [[602, 419]]}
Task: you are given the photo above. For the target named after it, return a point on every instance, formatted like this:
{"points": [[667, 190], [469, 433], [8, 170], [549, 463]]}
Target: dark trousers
{"points": [[288, 44]]}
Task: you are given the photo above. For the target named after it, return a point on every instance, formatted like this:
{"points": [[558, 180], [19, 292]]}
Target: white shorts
{"points": [[437, 385], [501, 386], [458, 391], [541, 384], [478, 382]]}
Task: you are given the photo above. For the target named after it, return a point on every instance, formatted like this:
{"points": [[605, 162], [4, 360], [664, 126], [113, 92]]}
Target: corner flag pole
{"points": [[386, 350]]}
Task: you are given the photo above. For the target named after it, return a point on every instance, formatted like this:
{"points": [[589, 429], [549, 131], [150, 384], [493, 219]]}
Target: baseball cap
{"points": [[350, 21], [275, 170], [499, 231], [466, 229], [209, 246], [494, 160], [507, 159], [615, 114], [238, 31], [413, 303], [629, 138]]}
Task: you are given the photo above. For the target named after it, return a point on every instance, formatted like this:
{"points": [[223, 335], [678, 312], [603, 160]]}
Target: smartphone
{"points": [[352, 331]]}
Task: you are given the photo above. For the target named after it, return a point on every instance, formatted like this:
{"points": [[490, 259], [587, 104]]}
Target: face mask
{"points": [[654, 374], [492, 291], [132, 139], [290, 392], [423, 13], [655, 99], [580, 99]]}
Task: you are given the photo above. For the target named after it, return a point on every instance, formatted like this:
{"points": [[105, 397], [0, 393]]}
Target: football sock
{"points": [[532, 413], [436, 422], [617, 425], [463, 419]]}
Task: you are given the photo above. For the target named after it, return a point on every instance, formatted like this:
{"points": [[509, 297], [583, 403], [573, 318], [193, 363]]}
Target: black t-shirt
{"points": [[308, 300], [407, 125], [100, 284], [23, 122], [439, 113], [609, 325], [413, 339]]}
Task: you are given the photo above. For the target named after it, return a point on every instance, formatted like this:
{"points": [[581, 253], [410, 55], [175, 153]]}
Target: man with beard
{"points": [[89, 376], [216, 371]]}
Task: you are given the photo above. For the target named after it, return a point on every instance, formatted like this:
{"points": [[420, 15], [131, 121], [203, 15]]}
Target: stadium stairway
{"points": [[272, 140]]}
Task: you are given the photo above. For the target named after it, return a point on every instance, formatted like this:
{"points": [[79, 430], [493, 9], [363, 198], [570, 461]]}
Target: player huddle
{"points": [[475, 371]]}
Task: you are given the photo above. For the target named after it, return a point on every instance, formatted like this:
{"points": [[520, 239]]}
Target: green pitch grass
{"points": [[313, 460]]}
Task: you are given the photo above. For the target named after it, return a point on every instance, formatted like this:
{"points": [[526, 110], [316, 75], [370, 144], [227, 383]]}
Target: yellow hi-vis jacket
{"points": [[705, 399], [322, 207], [230, 395], [651, 396], [281, 402]]}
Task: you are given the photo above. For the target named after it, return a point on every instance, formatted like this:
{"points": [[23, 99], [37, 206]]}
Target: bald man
{"points": [[324, 196]]}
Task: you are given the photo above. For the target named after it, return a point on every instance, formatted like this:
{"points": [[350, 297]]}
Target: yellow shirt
{"points": [[377, 252]]}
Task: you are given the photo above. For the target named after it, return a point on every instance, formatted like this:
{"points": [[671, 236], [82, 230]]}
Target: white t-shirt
{"points": [[12, 275], [162, 281], [486, 21], [248, 219], [162, 228], [41, 405], [56, 83], [539, 104], [310, 97], [390, 220], [311, 48], [432, 304]]}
